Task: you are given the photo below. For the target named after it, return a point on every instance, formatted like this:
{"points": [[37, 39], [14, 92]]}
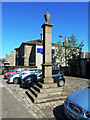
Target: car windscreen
{"points": [[22, 71], [39, 71], [29, 76], [15, 69]]}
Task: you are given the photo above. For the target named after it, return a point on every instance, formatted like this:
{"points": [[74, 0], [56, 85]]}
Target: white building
{"points": [[30, 53]]}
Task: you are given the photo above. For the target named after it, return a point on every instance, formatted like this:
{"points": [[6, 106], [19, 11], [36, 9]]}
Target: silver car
{"points": [[77, 105]]}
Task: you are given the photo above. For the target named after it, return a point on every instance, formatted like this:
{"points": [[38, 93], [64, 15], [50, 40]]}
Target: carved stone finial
{"points": [[47, 16]]}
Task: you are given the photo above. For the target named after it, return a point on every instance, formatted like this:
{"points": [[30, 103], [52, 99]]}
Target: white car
{"points": [[15, 78], [29, 72]]}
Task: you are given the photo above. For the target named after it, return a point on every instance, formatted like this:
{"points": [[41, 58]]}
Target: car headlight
{"points": [[5, 73], [87, 114]]}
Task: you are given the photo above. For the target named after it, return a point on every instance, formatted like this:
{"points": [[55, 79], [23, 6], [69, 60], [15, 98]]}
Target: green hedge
{"points": [[13, 67]]}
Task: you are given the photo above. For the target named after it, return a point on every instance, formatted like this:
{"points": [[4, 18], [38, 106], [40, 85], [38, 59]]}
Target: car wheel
{"points": [[61, 83], [16, 80]]}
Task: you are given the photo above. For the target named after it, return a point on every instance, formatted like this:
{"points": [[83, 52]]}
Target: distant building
{"points": [[85, 64], [30, 53], [11, 58], [2, 62]]}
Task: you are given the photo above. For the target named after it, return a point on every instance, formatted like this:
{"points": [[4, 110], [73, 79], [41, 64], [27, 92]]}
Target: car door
{"points": [[55, 75]]}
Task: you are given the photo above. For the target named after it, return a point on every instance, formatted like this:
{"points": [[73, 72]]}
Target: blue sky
{"points": [[22, 21]]}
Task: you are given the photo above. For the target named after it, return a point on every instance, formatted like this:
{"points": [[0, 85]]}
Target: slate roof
{"points": [[32, 42]]}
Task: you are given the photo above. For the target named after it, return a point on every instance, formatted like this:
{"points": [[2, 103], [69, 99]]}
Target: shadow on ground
{"points": [[59, 114]]}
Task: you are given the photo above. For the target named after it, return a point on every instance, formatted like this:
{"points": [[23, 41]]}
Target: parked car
{"points": [[5, 70], [5, 67], [16, 70], [77, 105], [56, 74], [28, 81], [58, 77], [28, 72], [16, 78]]}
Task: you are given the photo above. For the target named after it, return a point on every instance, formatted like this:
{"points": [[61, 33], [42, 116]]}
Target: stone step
{"points": [[51, 85], [38, 89], [33, 91], [45, 95], [45, 90], [48, 93], [50, 99], [51, 90], [40, 93], [30, 95], [39, 84]]}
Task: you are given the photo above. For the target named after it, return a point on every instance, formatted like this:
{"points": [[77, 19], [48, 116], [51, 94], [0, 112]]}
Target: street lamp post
{"points": [[64, 44], [80, 52]]}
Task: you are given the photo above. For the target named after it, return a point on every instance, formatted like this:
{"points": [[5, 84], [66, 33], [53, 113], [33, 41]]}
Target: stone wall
{"points": [[11, 58], [20, 56], [27, 52]]}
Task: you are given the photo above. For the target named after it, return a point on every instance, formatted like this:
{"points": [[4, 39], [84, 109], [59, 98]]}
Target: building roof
{"points": [[32, 42]]}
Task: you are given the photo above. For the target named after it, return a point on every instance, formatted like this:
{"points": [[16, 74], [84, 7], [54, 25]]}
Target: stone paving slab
{"points": [[54, 109], [11, 107]]}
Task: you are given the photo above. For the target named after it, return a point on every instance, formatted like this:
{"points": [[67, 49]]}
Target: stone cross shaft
{"points": [[47, 53]]}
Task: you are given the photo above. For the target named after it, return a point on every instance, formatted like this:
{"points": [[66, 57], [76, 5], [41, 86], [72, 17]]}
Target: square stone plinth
{"points": [[47, 80], [45, 92]]}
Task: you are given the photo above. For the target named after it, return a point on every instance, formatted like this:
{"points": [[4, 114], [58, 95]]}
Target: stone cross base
{"points": [[40, 92], [47, 80], [47, 73]]}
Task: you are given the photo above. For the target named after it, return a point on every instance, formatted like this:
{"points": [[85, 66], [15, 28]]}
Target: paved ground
{"points": [[47, 110], [11, 107]]}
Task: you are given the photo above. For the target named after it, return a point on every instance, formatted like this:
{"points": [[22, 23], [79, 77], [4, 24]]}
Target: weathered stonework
{"points": [[19, 56], [27, 52], [11, 58], [47, 53]]}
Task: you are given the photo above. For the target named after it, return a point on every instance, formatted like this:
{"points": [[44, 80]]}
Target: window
{"points": [[55, 72]]}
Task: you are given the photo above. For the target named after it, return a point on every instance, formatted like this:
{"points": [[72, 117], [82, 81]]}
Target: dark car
{"points": [[56, 75], [28, 81]]}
